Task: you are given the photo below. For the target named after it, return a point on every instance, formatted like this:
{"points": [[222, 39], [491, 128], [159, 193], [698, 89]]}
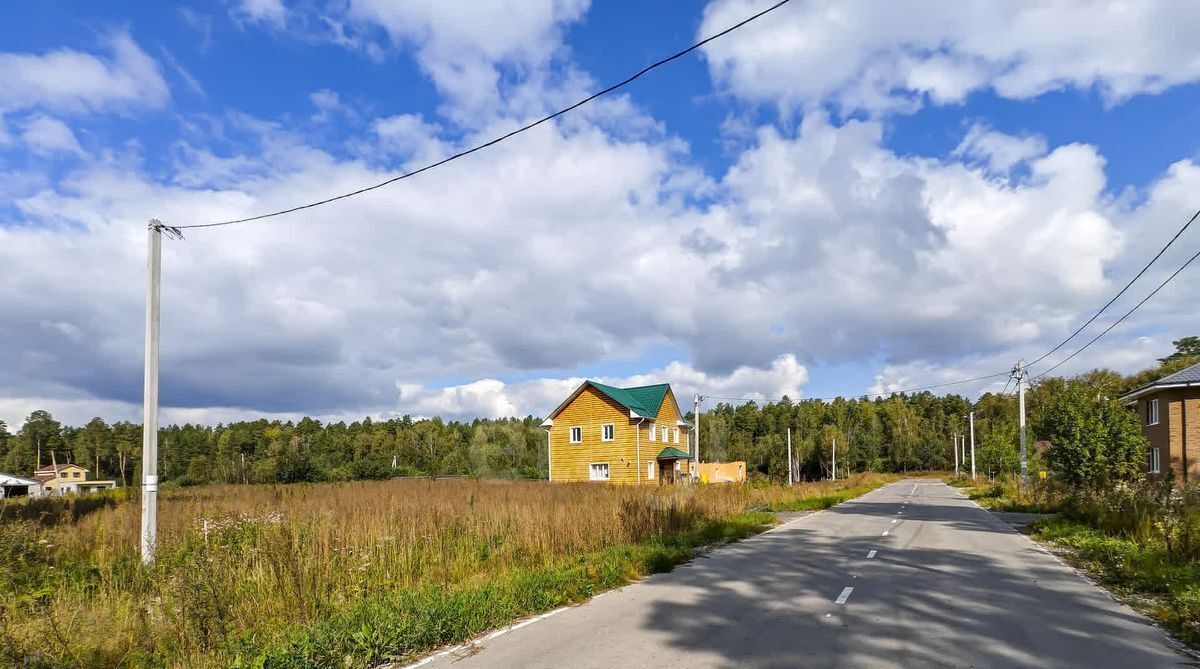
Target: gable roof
{"points": [[641, 401], [51, 469], [1188, 376], [672, 453]]}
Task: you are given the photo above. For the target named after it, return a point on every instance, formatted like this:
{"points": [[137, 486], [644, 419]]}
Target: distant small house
{"points": [[624, 435], [723, 472], [63, 479], [1169, 409], [15, 486]]}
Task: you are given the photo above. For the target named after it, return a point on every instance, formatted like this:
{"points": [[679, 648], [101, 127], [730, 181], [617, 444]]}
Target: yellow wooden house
{"points": [[68, 478], [623, 435]]}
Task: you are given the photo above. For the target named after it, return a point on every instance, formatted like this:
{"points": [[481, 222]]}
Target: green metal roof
{"points": [[672, 452], [642, 400]]}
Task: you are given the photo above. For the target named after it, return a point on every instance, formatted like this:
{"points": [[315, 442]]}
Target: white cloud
{"points": [[43, 136], [819, 242], [72, 81], [1000, 152], [538, 397], [201, 23], [410, 135], [462, 46], [327, 102], [271, 13], [885, 56]]}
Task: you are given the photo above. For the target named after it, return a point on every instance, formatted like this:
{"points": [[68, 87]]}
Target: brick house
{"points": [[1169, 410]]}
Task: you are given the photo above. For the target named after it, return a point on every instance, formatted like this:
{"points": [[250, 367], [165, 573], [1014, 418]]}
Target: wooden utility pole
{"points": [[833, 450], [150, 395]]}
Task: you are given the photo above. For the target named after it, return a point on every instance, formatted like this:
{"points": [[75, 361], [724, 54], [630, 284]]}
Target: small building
{"points": [[624, 435], [1169, 410], [15, 486], [723, 472], [69, 478]]}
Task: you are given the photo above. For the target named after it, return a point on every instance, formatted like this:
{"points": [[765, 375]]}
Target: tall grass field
{"points": [[342, 575]]}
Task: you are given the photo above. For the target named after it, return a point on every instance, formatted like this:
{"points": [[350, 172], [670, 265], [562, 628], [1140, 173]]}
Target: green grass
{"points": [[1145, 574], [345, 575], [819, 502], [819, 495], [1005, 494], [401, 626]]}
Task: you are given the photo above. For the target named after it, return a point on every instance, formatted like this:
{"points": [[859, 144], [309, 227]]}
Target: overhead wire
{"points": [[1122, 318], [1108, 304], [529, 126]]}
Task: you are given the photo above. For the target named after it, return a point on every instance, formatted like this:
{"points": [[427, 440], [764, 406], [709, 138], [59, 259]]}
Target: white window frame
{"points": [[574, 432], [592, 471], [652, 429], [677, 435], [1155, 461], [666, 434], [608, 432], [650, 470], [1152, 411]]}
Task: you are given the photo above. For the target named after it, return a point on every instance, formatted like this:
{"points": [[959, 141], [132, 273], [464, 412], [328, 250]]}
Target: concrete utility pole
{"points": [[790, 456], [1020, 373], [954, 447], [833, 449], [972, 418], [150, 395], [696, 428]]}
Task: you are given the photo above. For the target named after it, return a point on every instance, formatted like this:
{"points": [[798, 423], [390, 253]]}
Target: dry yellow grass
{"points": [[243, 567]]}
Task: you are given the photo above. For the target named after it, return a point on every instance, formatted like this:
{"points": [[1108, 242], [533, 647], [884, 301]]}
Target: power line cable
{"points": [[1122, 318], [1121, 292], [501, 138]]}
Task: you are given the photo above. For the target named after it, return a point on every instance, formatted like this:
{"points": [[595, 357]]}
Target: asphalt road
{"points": [[936, 582]]}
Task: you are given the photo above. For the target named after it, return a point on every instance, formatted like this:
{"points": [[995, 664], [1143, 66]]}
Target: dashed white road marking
{"points": [[871, 555], [885, 533], [844, 596], [895, 520]]}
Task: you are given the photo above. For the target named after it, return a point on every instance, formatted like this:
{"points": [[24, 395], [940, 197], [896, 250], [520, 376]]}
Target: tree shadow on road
{"points": [[769, 601]]}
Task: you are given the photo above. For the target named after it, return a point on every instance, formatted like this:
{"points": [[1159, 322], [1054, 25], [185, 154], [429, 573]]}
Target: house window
{"points": [[599, 471], [1152, 412], [607, 432], [666, 431], [650, 469], [76, 475], [577, 435], [651, 431], [1154, 461], [677, 435]]}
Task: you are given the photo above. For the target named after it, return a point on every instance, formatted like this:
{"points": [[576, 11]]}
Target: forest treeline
{"points": [[897, 433]]}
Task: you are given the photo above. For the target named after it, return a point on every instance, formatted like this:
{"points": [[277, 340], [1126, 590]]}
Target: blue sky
{"points": [[828, 201]]}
